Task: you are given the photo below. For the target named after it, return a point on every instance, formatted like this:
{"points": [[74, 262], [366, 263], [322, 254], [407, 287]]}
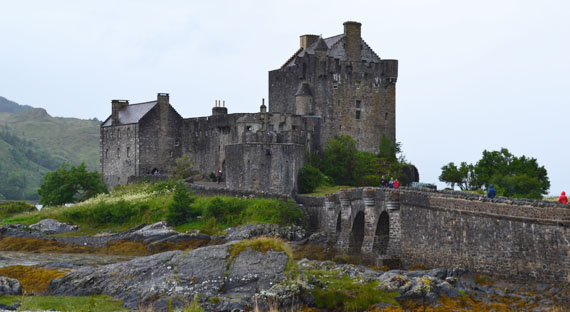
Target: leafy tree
{"points": [[512, 176], [180, 210], [185, 168], [462, 176], [339, 160], [69, 185]]}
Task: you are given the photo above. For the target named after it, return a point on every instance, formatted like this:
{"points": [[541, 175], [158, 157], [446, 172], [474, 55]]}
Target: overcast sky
{"points": [[474, 75]]}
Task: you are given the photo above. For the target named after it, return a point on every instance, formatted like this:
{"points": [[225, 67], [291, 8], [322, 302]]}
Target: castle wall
{"points": [[508, 238], [353, 98], [119, 148], [205, 139], [160, 140], [263, 166]]}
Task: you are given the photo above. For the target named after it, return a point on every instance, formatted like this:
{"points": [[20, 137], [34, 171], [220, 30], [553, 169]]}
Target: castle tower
{"points": [[343, 81]]}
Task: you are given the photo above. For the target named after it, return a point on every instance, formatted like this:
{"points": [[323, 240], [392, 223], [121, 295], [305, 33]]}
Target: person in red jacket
{"points": [[396, 184], [563, 199]]}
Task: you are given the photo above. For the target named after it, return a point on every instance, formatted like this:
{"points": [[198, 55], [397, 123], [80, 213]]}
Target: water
{"points": [[8, 258]]}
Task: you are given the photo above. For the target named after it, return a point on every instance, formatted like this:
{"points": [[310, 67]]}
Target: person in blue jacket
{"points": [[491, 193]]}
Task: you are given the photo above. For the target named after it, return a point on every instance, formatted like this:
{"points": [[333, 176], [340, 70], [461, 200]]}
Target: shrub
{"points": [[12, 208], [310, 178], [180, 210]]}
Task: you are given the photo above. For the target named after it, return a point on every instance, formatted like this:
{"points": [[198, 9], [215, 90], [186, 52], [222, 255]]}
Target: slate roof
{"points": [[334, 49], [131, 113]]}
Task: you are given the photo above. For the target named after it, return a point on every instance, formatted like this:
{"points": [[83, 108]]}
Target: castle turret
{"points": [[117, 105], [353, 41], [303, 100]]}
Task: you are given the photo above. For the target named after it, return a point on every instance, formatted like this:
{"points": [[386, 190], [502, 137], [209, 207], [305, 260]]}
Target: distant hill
{"points": [[32, 143], [7, 106]]}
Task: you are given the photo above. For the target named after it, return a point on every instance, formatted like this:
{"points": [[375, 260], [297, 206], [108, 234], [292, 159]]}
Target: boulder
{"points": [[291, 232], [178, 274], [52, 226], [9, 286]]}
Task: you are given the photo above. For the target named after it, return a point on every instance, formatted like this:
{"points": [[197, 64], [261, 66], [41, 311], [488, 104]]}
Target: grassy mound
{"points": [[128, 206], [343, 293], [8, 209]]}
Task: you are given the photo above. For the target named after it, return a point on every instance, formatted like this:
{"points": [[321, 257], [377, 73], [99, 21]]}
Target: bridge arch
{"points": [[382, 234], [357, 233]]}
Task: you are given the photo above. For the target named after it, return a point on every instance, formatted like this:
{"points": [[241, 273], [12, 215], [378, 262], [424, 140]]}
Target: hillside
{"points": [[7, 106], [32, 143]]}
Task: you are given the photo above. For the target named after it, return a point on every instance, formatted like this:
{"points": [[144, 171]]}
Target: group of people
{"points": [[394, 183]]}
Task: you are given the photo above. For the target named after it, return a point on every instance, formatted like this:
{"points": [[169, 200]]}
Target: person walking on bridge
{"points": [[563, 199], [491, 193]]}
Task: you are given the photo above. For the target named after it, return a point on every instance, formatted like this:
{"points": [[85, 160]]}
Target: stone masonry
{"points": [[329, 87], [509, 238]]}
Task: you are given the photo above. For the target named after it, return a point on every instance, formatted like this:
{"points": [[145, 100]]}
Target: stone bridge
{"points": [[365, 222], [510, 238]]}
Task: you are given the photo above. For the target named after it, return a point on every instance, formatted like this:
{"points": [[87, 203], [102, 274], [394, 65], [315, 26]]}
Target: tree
{"points": [[309, 179], [462, 176], [180, 210], [339, 162], [185, 168], [69, 185], [512, 176]]}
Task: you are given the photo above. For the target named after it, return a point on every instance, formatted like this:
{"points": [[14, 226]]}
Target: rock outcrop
{"points": [[178, 275], [290, 233], [9, 286], [52, 226]]}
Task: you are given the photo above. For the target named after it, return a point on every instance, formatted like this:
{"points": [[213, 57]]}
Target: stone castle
{"points": [[327, 88]]}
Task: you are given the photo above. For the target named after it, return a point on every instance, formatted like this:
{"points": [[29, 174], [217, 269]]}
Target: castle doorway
{"points": [[382, 235], [154, 171], [357, 234]]}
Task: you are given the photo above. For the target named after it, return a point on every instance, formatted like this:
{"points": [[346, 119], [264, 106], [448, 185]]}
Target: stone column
{"points": [[343, 240], [370, 222], [393, 208], [330, 210]]}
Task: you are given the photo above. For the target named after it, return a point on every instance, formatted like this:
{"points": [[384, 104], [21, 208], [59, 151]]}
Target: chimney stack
{"points": [[307, 40], [117, 105], [353, 41]]}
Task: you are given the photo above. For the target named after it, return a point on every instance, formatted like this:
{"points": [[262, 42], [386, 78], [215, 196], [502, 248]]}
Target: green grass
{"points": [[323, 190], [350, 295], [129, 206], [66, 303]]}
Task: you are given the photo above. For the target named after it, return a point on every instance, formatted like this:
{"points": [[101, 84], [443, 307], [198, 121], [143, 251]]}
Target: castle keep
{"points": [[328, 87]]}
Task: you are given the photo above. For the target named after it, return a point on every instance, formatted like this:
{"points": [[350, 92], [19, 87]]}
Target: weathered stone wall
{"points": [[119, 148], [160, 139], [352, 90], [264, 167], [520, 239], [510, 238]]}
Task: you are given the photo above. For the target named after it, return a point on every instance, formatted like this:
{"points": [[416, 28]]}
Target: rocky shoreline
{"points": [[236, 272]]}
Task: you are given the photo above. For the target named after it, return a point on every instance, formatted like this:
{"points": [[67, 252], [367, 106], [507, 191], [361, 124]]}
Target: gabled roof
{"points": [[335, 48], [131, 113]]}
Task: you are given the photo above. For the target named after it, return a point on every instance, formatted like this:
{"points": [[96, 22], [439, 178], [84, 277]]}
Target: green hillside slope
{"points": [[32, 143]]}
